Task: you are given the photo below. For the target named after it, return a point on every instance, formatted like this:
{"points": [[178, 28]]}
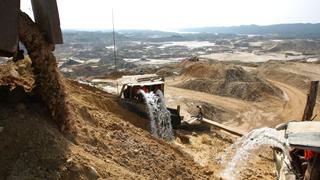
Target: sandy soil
{"points": [[100, 142]]}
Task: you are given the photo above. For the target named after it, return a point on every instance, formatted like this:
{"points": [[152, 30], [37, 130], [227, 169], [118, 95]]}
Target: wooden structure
{"points": [[215, 124], [46, 17], [9, 27], [223, 127]]}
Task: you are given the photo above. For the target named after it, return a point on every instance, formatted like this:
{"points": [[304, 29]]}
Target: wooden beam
{"points": [[311, 101], [223, 127], [9, 27], [46, 15]]}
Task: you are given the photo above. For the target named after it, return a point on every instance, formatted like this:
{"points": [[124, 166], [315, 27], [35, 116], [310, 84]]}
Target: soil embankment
{"points": [[227, 80], [100, 141]]}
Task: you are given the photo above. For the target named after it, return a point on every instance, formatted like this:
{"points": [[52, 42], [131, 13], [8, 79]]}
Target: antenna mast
{"points": [[114, 44]]}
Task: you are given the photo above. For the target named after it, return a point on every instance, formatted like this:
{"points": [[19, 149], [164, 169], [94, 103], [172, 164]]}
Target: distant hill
{"points": [[289, 30]]}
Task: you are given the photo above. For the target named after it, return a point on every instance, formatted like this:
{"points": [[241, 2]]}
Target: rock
{"points": [[93, 173], [184, 139], [1, 129], [208, 172], [14, 73], [136, 150], [21, 68], [69, 160]]}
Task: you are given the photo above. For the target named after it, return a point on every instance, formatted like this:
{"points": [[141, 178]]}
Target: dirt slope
{"points": [[293, 73], [101, 142], [227, 80]]}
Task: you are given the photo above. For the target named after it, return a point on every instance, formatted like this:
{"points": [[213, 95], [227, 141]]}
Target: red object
{"points": [[145, 89], [309, 154]]}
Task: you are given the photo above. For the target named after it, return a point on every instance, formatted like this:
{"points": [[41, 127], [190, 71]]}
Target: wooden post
{"points": [[312, 171], [311, 101]]}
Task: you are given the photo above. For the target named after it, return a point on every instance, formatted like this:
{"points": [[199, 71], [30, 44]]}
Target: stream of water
{"points": [[160, 119], [244, 148]]}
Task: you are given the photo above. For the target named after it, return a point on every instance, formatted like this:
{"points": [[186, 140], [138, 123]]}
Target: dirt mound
{"points": [[304, 46], [227, 80], [101, 143], [13, 74], [296, 74]]}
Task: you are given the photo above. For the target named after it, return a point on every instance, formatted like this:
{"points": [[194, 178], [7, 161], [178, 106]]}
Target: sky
{"points": [[172, 15]]}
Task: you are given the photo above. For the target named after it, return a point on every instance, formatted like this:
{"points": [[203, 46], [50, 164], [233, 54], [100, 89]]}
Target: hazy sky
{"points": [[175, 14]]}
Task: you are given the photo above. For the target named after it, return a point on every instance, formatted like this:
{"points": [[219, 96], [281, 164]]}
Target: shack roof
{"points": [[141, 80]]}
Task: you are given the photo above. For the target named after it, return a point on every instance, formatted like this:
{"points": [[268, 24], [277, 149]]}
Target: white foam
{"points": [[245, 146], [160, 120]]}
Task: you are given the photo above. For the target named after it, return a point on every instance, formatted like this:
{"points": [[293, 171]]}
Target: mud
{"points": [[49, 85]]}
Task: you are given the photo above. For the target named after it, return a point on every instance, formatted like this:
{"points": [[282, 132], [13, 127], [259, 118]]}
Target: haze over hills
{"points": [[289, 30], [296, 30]]}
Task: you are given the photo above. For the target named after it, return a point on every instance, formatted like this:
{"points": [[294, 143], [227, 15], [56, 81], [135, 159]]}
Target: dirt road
{"points": [[228, 103], [294, 105]]}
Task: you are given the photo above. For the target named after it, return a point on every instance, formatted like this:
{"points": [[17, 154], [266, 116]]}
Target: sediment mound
{"points": [[227, 80], [13, 74], [295, 74], [304, 46], [100, 141]]}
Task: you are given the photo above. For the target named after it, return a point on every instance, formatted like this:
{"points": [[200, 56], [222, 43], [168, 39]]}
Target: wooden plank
{"points": [[46, 15], [9, 26], [223, 127], [190, 121]]}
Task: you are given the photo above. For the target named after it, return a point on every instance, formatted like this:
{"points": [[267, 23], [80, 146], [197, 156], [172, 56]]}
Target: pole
{"points": [[114, 44], [311, 101]]}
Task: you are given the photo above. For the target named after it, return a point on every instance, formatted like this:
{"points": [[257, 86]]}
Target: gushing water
{"points": [[160, 120], [247, 144]]}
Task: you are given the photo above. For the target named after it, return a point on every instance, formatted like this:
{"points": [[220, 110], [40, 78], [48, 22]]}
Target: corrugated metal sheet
{"points": [[141, 79], [46, 16], [304, 134], [9, 26]]}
